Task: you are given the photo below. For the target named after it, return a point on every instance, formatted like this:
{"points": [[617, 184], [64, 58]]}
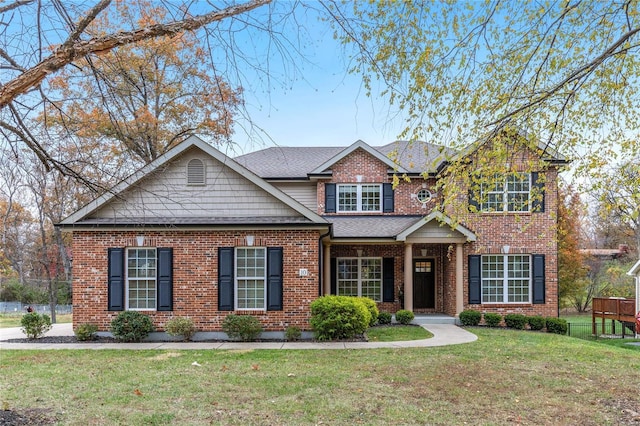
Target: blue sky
{"points": [[318, 104]]}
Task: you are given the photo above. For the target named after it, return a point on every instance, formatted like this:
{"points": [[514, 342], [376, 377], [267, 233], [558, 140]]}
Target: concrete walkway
{"points": [[443, 334]]}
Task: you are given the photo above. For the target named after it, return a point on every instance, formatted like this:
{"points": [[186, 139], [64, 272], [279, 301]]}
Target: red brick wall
{"points": [[525, 233], [372, 170], [530, 233], [195, 275]]}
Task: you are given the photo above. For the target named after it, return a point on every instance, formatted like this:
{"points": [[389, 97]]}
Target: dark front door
{"points": [[424, 284]]}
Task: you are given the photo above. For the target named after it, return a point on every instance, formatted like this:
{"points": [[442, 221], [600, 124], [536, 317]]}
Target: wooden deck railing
{"points": [[615, 309]]}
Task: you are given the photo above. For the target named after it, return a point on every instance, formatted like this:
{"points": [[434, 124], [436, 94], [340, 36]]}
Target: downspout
{"points": [[321, 258]]}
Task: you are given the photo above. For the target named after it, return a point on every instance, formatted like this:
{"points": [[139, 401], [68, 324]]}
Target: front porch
{"points": [[420, 267]]}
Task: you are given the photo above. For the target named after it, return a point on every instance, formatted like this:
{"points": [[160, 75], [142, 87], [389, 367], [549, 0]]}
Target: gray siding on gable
{"points": [[165, 193], [303, 192], [434, 230]]}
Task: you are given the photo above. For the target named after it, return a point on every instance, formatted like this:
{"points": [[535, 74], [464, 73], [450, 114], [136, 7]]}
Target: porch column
{"points": [[326, 259], [408, 277], [459, 279]]}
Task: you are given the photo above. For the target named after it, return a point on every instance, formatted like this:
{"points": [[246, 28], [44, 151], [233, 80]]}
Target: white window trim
{"points": [[359, 280], [505, 196], [236, 278], [358, 197], [505, 280], [126, 287]]}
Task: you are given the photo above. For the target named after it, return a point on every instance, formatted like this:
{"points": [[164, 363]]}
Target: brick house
{"points": [[197, 234]]}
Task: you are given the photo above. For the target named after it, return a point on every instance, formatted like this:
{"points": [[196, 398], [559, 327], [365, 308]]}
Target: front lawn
{"points": [[505, 377], [397, 333]]}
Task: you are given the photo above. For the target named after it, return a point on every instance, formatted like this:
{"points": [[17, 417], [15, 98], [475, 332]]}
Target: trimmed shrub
{"points": [[517, 321], [492, 319], [372, 307], [35, 325], [86, 332], [536, 322], [469, 317], [292, 333], [384, 318], [339, 317], [181, 326], [404, 317], [242, 327], [131, 326], [557, 325]]}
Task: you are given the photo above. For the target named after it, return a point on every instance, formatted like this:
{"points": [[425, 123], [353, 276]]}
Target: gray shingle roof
{"points": [[297, 162], [286, 162], [370, 226]]}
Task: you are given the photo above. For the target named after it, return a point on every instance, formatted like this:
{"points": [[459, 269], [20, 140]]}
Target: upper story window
{"points": [[506, 194], [195, 172], [359, 198]]}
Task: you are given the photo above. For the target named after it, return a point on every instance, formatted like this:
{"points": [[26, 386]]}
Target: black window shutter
{"points": [[387, 198], [330, 197], [387, 279], [165, 279], [334, 275], [474, 205], [475, 280], [274, 278], [538, 279], [225, 278], [537, 205], [115, 285]]}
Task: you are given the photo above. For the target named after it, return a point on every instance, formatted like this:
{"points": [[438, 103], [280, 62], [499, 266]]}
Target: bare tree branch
{"points": [[67, 53]]}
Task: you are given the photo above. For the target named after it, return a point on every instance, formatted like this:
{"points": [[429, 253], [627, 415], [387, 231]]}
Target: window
{"points": [[506, 278], [424, 196], [359, 198], [195, 172], [510, 194], [251, 280], [141, 278], [360, 276]]}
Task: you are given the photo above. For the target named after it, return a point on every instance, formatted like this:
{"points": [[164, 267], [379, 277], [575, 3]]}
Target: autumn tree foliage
{"points": [[572, 270], [143, 98], [40, 39]]}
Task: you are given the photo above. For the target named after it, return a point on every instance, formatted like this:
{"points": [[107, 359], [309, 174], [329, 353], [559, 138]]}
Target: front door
{"points": [[424, 284]]}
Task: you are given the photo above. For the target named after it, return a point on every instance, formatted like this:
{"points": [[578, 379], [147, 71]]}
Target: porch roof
{"points": [[369, 226], [435, 227]]}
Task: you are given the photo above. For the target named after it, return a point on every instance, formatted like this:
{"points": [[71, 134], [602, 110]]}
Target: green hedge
{"points": [[557, 325], [492, 319], [131, 326], [536, 322], [469, 317], [517, 321], [339, 317]]}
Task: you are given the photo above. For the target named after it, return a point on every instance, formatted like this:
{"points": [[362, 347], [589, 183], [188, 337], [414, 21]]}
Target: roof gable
{"points": [[439, 220], [129, 195], [322, 168]]}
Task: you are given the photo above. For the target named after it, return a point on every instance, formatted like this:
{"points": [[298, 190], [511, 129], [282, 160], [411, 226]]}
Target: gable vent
{"points": [[195, 172]]}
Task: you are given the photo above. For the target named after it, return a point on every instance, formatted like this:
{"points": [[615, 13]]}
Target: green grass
{"points": [[396, 333], [13, 320], [505, 377]]}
